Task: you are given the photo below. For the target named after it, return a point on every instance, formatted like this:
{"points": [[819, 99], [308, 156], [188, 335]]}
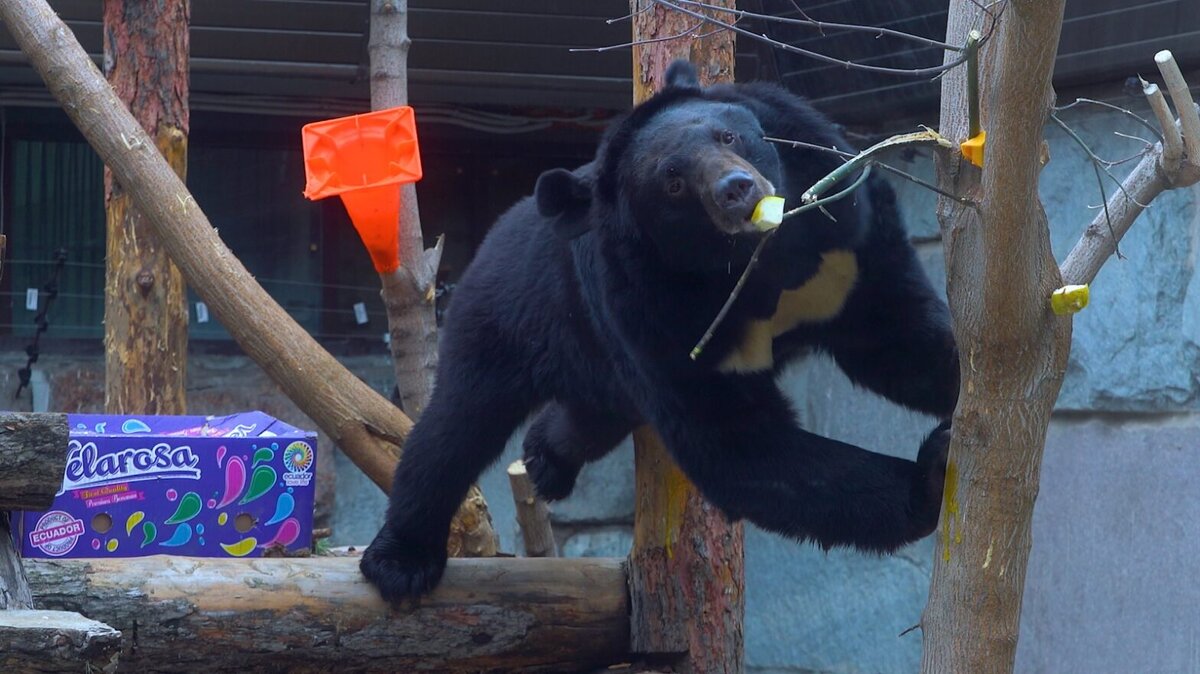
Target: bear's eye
{"points": [[728, 137], [675, 186]]}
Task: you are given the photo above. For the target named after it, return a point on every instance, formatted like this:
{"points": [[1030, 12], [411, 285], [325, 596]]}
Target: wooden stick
{"points": [[1181, 96], [33, 455], [181, 614], [532, 514], [56, 641]]}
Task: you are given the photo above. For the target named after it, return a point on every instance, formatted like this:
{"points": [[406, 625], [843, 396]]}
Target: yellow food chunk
{"points": [[1069, 299], [768, 214]]}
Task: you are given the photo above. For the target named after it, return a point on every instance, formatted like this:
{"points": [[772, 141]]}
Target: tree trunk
{"points": [[408, 292], [145, 303], [56, 641], [33, 456], [318, 614], [1001, 274], [686, 577]]}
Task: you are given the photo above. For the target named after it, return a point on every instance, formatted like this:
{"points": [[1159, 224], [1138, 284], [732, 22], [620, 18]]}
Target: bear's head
{"points": [[682, 172]]}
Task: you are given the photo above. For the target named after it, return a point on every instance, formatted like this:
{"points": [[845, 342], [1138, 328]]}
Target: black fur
{"points": [[595, 327]]}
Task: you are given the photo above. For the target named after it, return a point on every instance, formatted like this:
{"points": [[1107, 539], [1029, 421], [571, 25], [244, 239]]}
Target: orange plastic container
{"points": [[363, 159]]}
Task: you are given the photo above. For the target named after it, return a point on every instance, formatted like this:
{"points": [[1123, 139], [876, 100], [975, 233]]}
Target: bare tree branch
{"points": [[1159, 170]]}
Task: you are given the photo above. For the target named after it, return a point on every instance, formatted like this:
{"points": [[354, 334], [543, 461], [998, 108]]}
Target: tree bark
{"points": [[33, 455], [686, 576], [408, 292], [145, 307], [1001, 273], [56, 641], [319, 615], [14, 586]]}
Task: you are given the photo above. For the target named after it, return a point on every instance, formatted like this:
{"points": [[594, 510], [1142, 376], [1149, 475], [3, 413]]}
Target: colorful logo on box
{"points": [[298, 460], [56, 533]]}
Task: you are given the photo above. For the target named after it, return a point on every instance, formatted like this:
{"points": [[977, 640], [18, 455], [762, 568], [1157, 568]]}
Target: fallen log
{"points": [[56, 641], [181, 614], [33, 454]]}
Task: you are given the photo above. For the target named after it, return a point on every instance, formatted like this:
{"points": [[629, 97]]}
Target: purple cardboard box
{"points": [[231, 486]]}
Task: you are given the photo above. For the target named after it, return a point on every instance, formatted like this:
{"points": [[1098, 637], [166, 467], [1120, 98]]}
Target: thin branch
{"points": [[1143, 141], [650, 40], [821, 25], [918, 137], [1129, 113], [886, 167], [741, 282], [1099, 181], [1096, 159], [914, 72]]}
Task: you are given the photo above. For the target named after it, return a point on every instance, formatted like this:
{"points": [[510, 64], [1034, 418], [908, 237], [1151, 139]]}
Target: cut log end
{"points": [[56, 641]]}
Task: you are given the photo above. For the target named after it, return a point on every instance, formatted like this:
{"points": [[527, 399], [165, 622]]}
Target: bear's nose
{"points": [[735, 190]]}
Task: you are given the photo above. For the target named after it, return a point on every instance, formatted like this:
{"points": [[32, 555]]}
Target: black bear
{"points": [[584, 303]]}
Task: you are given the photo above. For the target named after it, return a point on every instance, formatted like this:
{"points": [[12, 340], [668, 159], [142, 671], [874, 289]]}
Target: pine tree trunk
{"points": [[687, 582], [1001, 273], [145, 309]]}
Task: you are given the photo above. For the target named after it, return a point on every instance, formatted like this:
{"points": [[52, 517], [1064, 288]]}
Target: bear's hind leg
{"points": [[470, 416], [562, 438]]}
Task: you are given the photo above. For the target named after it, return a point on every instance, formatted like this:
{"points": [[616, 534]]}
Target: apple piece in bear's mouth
{"points": [[768, 214]]}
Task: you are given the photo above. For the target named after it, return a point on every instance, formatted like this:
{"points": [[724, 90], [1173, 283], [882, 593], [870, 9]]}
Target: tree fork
{"points": [[686, 575]]}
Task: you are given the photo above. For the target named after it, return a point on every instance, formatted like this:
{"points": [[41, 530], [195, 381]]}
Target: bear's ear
{"points": [[682, 75], [565, 198]]}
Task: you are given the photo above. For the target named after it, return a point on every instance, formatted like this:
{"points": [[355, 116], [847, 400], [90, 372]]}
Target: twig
{"points": [[915, 138], [1096, 159], [822, 25], [1172, 141], [1129, 113], [886, 167], [914, 72], [741, 282], [1099, 180]]}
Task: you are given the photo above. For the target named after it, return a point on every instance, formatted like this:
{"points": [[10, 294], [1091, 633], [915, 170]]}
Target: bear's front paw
{"points": [[401, 570], [553, 478], [931, 476]]}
